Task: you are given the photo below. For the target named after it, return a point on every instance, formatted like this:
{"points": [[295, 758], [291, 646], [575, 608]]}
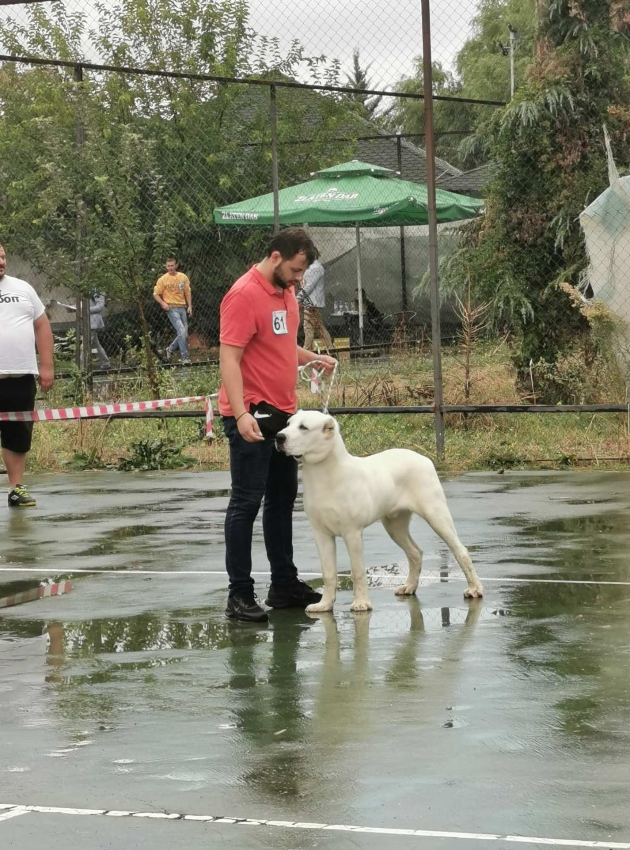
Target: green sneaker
{"points": [[19, 497]]}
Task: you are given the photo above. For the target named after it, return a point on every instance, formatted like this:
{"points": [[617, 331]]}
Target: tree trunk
{"points": [[148, 351]]}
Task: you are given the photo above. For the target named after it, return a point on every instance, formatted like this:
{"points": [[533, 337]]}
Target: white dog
{"points": [[344, 494]]}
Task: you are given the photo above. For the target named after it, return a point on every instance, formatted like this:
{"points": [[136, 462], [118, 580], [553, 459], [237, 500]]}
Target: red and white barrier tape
{"points": [[90, 411], [36, 593]]}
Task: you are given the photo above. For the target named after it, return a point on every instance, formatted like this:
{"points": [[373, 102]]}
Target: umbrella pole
{"points": [[360, 286]]}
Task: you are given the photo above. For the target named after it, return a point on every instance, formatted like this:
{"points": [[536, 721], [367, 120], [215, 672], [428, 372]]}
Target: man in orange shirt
{"points": [[172, 293], [259, 367]]}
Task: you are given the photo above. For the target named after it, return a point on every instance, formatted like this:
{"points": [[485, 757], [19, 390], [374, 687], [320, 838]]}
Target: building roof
{"points": [[471, 182], [383, 151], [311, 110]]}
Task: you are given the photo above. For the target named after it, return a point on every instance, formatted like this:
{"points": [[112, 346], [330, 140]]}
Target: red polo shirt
{"points": [[264, 322]]}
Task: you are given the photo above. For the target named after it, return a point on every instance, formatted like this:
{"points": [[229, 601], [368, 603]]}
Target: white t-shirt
{"points": [[19, 308]]}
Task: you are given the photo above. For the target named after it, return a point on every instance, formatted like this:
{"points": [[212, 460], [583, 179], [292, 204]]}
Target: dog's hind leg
{"points": [[398, 529], [354, 545], [439, 518], [327, 548]]}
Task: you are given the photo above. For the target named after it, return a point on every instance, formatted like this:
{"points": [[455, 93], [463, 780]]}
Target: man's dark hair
{"points": [[292, 241]]}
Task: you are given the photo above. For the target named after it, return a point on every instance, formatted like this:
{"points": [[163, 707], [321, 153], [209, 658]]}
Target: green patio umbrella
{"points": [[353, 194]]}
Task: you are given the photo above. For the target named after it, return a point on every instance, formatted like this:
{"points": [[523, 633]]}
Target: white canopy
{"points": [[606, 226]]}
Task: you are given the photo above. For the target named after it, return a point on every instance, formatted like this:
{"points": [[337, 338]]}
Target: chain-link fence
{"points": [[127, 129]]}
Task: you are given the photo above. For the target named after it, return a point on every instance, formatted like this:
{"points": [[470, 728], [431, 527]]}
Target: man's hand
{"points": [[46, 350], [46, 378], [248, 428], [328, 362], [164, 306], [189, 311]]}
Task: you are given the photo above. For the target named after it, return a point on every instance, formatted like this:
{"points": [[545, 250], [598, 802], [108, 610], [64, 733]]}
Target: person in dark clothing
{"points": [[373, 319]]}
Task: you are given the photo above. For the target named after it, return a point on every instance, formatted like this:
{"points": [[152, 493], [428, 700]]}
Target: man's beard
{"points": [[278, 281]]}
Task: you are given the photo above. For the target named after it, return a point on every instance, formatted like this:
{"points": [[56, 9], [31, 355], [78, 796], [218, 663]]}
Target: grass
{"points": [[495, 441]]}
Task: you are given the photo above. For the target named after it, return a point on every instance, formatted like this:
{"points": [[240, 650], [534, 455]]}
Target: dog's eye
{"points": [[303, 428]]}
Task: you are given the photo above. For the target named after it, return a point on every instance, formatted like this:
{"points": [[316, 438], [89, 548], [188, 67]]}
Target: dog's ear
{"points": [[329, 427]]}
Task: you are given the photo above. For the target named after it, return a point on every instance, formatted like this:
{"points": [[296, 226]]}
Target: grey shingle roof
{"points": [[471, 182], [384, 152], [310, 109]]}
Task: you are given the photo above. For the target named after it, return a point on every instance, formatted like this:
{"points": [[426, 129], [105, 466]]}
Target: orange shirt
{"points": [[174, 289], [264, 322]]}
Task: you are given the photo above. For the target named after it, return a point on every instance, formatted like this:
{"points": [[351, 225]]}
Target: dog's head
{"points": [[310, 435]]}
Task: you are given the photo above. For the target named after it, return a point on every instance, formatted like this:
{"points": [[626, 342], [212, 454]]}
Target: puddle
{"points": [[114, 689]]}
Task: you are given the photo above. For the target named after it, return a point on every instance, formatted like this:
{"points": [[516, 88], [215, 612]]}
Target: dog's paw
{"points": [[319, 608], [361, 605], [475, 592], [406, 590]]}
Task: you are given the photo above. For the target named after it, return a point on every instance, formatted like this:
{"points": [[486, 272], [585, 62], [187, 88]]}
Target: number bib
{"points": [[279, 322]]}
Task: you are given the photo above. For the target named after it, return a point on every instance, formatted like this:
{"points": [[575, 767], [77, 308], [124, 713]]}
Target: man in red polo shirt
{"points": [[259, 367]]}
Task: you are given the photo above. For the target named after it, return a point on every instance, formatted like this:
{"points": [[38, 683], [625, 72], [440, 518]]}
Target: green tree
{"points": [[548, 146], [129, 223], [407, 115], [166, 151], [482, 71], [359, 79]]}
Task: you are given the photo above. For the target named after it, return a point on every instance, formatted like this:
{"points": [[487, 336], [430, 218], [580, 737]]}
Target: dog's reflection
{"points": [[351, 692], [300, 704]]}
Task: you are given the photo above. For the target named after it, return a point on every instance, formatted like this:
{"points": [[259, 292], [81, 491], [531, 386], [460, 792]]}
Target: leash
{"points": [[316, 379]]}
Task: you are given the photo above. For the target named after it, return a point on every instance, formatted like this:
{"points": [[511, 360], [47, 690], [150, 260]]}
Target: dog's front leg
{"points": [[354, 545], [327, 548]]}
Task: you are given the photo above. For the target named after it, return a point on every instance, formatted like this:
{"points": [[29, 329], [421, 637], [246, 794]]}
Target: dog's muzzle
{"points": [[281, 445]]}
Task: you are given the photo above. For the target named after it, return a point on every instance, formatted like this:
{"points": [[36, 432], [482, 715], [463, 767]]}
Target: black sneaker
{"points": [[297, 594], [243, 606], [19, 497]]}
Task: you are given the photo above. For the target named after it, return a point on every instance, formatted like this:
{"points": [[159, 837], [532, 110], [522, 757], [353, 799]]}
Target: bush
{"points": [[159, 454]]}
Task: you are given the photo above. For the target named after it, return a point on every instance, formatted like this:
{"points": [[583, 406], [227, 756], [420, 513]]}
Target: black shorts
{"points": [[17, 394]]}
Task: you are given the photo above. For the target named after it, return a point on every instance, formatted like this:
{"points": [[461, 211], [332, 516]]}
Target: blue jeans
{"points": [[259, 470], [179, 320]]}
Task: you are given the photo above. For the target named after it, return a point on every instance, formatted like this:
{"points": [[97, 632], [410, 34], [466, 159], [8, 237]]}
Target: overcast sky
{"points": [[387, 32]]}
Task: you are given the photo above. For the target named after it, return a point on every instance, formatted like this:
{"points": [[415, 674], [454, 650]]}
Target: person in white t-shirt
{"points": [[24, 327]]}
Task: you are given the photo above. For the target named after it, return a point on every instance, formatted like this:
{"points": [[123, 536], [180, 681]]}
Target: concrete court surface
{"points": [[486, 721]]}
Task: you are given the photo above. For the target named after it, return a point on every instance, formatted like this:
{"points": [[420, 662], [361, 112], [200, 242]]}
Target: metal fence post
{"points": [[403, 256], [83, 332], [433, 246], [273, 115]]}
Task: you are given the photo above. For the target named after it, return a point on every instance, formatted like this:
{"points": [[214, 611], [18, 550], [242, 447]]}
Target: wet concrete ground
{"points": [[132, 692]]}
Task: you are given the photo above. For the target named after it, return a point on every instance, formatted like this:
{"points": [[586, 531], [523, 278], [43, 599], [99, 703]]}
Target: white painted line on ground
{"points": [[433, 575], [14, 811]]}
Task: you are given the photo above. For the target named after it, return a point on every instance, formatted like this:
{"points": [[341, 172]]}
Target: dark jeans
{"points": [[259, 470], [17, 393]]}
